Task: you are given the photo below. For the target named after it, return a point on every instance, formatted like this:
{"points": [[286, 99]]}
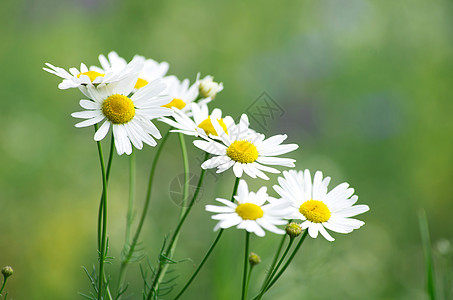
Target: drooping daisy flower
{"points": [[319, 209], [93, 76], [182, 94], [245, 150], [208, 87], [253, 211], [130, 118], [152, 70], [200, 124]]}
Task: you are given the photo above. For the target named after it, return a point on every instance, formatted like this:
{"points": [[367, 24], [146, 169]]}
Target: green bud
{"points": [[7, 271], [254, 259], [293, 229]]}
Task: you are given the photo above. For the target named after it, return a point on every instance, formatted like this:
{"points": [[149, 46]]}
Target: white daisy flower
{"points": [[200, 124], [130, 118], [151, 71], [245, 150], [93, 76], [319, 209], [208, 87], [182, 94], [253, 211]]}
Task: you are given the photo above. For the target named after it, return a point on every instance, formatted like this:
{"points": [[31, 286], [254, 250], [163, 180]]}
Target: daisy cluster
{"points": [[127, 97]]}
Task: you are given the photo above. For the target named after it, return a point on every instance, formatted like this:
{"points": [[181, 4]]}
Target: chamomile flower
{"points": [[208, 87], [316, 207], [129, 117], [152, 69], [93, 76], [253, 211], [182, 93], [245, 150], [200, 123]]}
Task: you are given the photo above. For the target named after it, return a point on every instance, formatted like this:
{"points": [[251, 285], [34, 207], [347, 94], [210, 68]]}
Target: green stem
{"points": [[246, 256], [3, 285], [129, 253], [429, 267], [104, 221], [248, 280], [101, 203], [271, 269], [274, 270], [129, 218], [163, 264], [191, 203], [236, 183], [130, 206], [301, 241]]}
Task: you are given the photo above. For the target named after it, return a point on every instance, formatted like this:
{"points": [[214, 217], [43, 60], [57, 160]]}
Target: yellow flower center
{"points": [[315, 211], [207, 126], [178, 103], [91, 74], [118, 109], [242, 151], [249, 211], [140, 83]]}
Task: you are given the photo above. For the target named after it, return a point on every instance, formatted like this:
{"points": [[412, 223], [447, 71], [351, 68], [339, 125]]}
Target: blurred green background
{"points": [[365, 88]]}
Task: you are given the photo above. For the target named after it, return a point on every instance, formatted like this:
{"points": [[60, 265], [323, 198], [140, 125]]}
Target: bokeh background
{"points": [[365, 90]]}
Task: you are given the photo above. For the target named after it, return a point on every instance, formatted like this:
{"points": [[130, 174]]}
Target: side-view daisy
{"points": [[200, 123], [130, 118], [182, 93], [93, 76], [208, 87], [253, 211], [151, 71], [245, 150], [319, 209]]}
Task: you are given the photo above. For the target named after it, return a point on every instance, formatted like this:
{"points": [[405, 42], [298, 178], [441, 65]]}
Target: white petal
{"points": [[102, 131], [237, 169]]}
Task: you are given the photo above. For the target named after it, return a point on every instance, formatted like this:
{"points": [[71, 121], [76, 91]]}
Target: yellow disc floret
{"points": [[208, 128], [178, 103], [140, 83], [315, 211], [91, 74], [249, 211], [119, 109], [242, 151]]}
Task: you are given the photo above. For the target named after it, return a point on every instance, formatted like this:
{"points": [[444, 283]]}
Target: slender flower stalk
{"points": [[101, 203], [128, 255], [102, 252], [130, 207], [246, 263], [249, 275], [274, 270], [163, 264], [285, 266], [219, 235], [277, 254]]}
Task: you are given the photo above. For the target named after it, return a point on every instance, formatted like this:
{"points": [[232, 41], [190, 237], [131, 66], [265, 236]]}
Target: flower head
{"points": [[182, 93], [129, 117], [200, 123], [83, 77], [151, 71], [245, 150], [252, 212], [7, 271], [208, 87], [317, 208]]}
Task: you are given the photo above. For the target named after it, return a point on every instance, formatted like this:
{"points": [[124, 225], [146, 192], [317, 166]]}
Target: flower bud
{"points": [[209, 88], [293, 229], [254, 259], [7, 271]]}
